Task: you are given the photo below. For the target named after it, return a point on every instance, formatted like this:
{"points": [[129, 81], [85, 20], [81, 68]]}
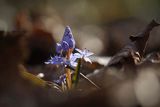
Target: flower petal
{"points": [[68, 37], [89, 54], [87, 59], [78, 55], [73, 64], [71, 43], [55, 60], [72, 57], [80, 51], [65, 46], [67, 33], [58, 48]]}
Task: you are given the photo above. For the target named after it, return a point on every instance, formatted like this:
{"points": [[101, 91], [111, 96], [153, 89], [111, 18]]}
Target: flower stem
{"points": [[68, 78], [68, 71], [77, 72]]}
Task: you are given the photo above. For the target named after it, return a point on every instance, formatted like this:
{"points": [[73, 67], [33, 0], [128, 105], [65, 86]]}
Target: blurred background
{"points": [[102, 26]]}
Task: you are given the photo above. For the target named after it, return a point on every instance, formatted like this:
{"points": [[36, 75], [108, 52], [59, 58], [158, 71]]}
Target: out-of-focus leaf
{"points": [[37, 81], [133, 52], [30, 77], [140, 40]]}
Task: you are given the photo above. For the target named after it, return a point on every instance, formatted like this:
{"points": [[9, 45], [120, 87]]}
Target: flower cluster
{"points": [[67, 44]]}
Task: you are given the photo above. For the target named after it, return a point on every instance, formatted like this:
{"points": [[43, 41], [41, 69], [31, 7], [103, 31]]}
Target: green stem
{"points": [[77, 73]]}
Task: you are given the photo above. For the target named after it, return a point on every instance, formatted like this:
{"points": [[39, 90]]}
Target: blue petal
{"points": [[55, 60], [77, 55], [65, 46], [58, 48], [67, 33], [71, 63], [68, 37], [71, 43]]}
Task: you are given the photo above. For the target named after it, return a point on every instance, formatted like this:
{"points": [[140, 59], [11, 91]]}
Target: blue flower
{"points": [[84, 54], [57, 60], [72, 61], [68, 37]]}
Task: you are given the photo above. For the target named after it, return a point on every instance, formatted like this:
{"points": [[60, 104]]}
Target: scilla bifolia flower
{"points": [[70, 60]]}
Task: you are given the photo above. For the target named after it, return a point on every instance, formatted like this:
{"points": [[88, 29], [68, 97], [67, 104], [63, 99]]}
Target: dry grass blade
{"points": [[90, 81]]}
